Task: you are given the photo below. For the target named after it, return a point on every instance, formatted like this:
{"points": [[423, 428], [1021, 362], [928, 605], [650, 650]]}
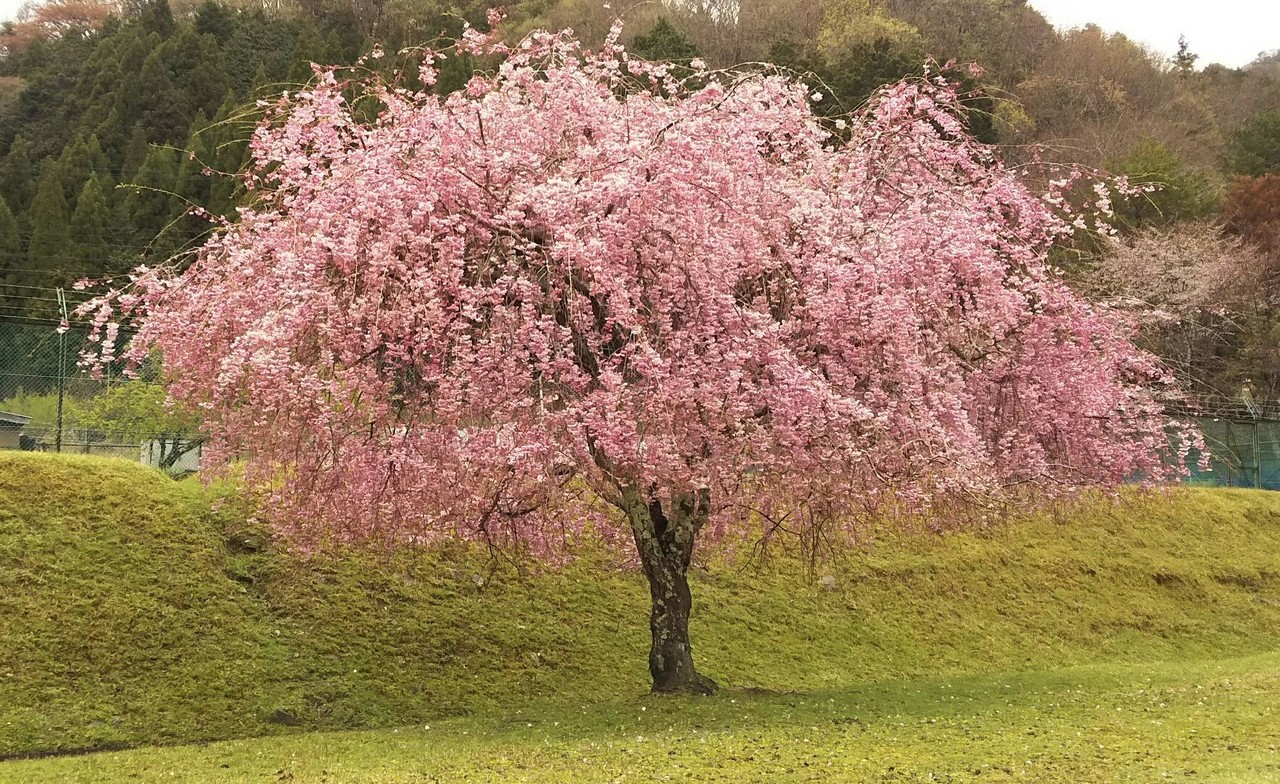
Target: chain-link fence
{"points": [[1243, 439], [49, 403]]}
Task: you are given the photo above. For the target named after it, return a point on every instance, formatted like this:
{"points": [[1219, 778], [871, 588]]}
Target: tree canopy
{"points": [[582, 296]]}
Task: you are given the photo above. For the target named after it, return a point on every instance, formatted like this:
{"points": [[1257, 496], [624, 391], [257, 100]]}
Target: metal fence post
{"points": [[1257, 457], [62, 369]]}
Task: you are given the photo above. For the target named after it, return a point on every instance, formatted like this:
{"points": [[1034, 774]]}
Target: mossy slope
{"points": [[128, 614]]}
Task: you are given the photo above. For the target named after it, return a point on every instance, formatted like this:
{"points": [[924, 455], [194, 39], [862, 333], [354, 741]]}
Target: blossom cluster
{"points": [[485, 314]]}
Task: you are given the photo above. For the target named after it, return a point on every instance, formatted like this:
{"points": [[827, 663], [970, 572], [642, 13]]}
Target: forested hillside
{"points": [[118, 122]]}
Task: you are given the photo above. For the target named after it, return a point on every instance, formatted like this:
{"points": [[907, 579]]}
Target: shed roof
{"points": [[13, 420]]}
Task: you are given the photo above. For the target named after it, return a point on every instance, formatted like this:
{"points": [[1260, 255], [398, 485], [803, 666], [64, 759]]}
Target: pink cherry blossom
{"points": [[508, 312]]}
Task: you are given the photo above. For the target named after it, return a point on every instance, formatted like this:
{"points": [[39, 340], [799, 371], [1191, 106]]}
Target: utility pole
{"points": [[62, 367]]}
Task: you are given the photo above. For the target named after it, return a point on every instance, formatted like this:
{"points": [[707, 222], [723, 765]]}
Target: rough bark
{"points": [[664, 539]]}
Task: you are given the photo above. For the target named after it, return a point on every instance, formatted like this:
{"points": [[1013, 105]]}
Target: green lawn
{"points": [[132, 613], [1198, 722]]}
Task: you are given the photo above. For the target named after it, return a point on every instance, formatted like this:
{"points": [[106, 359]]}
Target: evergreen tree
{"points": [[1182, 192], [90, 227], [151, 203], [194, 65], [162, 114], [1255, 148], [194, 186], [1185, 60], [135, 152], [857, 50], [113, 135], [105, 73], [259, 43], [191, 184], [665, 42], [227, 139], [215, 19], [16, 175], [308, 49], [11, 261], [343, 34], [49, 253], [40, 112], [156, 17], [79, 161], [130, 97]]}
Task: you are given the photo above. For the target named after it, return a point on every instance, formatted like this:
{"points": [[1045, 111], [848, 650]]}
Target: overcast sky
{"points": [[1231, 32], [9, 7]]}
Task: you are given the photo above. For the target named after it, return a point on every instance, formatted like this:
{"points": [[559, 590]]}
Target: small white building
{"points": [[11, 430]]}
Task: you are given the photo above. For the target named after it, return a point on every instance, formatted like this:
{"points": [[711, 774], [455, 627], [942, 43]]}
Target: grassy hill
{"points": [[130, 613]]}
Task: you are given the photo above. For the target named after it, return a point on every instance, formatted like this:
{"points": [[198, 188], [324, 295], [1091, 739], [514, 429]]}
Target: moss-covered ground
{"points": [[1110, 642]]}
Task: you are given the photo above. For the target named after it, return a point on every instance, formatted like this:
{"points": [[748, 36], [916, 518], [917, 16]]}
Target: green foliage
{"points": [[129, 613], [133, 411], [12, 260], [16, 178], [1181, 191], [136, 407], [1011, 122], [259, 44], [151, 200], [665, 42], [50, 246], [862, 25], [1008, 39], [79, 161], [982, 113], [156, 17], [196, 70], [862, 48], [215, 19], [95, 105], [98, 105], [1254, 149], [162, 112], [91, 225], [136, 150], [224, 148], [1185, 60], [42, 407], [40, 112]]}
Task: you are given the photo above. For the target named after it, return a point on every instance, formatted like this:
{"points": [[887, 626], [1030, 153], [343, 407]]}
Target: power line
{"points": [[85, 243], [23, 318], [38, 299], [41, 288], [47, 271]]}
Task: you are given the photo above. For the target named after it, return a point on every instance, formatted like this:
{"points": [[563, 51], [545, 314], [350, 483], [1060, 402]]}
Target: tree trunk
{"points": [[664, 540]]}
